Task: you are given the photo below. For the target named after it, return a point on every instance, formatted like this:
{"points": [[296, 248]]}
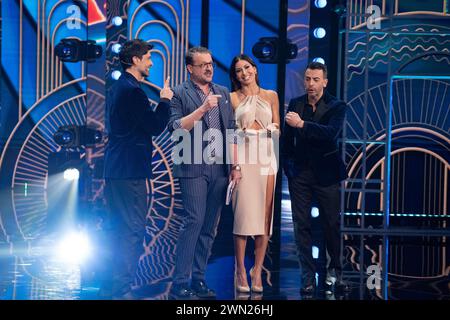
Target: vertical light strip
{"points": [[187, 32], [183, 49], [42, 51], [444, 223], [404, 184], [242, 26], [365, 8], [383, 183], [20, 60], [397, 200], [37, 48], [361, 11], [396, 7], [424, 182], [350, 3], [435, 203], [429, 183]]}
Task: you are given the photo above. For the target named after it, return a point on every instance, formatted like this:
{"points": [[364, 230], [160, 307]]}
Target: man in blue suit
{"points": [[201, 113], [314, 168], [131, 123]]}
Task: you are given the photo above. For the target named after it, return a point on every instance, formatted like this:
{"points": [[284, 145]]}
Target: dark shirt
{"points": [[308, 115]]}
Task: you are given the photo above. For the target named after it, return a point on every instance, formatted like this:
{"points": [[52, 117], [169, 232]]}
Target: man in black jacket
{"points": [[131, 123], [314, 169]]}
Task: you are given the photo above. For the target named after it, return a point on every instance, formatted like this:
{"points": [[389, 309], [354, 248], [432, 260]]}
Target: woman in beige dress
{"points": [[258, 123]]}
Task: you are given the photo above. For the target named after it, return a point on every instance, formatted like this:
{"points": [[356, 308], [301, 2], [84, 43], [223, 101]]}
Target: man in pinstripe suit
{"points": [[199, 109]]}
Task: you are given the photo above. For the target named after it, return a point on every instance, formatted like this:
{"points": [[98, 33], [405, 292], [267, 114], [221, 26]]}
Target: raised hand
{"points": [[166, 92], [211, 101], [293, 119]]}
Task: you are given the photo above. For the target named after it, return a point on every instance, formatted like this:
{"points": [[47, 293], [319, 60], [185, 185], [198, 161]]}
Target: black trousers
{"points": [[303, 188], [127, 208]]}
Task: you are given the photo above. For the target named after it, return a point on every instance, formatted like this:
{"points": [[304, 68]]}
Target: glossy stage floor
{"points": [[418, 269]]}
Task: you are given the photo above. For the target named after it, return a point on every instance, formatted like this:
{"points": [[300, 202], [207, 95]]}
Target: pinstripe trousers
{"points": [[203, 198]]}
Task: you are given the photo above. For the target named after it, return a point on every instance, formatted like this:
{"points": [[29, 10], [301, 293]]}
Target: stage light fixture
{"points": [[319, 59], [77, 136], [315, 252], [74, 50], [116, 74], [74, 248], [71, 174], [270, 50], [116, 47], [319, 32], [320, 3], [117, 21]]}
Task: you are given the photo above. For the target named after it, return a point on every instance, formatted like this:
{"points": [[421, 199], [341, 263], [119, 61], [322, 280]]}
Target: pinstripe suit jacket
{"points": [[186, 100]]}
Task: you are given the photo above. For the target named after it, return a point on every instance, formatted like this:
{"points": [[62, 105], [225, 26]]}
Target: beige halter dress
{"points": [[257, 158]]}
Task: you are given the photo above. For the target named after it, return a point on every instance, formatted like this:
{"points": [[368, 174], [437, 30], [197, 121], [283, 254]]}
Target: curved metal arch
{"points": [[418, 57]]}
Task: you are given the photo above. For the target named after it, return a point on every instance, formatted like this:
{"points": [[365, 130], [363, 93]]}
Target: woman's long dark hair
{"points": [[235, 84]]}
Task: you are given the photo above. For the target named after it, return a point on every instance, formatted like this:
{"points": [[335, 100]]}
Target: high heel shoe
{"points": [[255, 288], [239, 288]]}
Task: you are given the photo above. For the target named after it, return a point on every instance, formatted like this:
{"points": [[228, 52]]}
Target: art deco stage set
{"points": [[388, 59]]}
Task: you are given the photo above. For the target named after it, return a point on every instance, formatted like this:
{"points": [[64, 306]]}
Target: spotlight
{"points": [[71, 174], [77, 136], [116, 74], [74, 50], [269, 50], [319, 59], [66, 136], [117, 21], [319, 33], [315, 252], [320, 3], [74, 248], [292, 50], [116, 47], [63, 161], [314, 212], [266, 49]]}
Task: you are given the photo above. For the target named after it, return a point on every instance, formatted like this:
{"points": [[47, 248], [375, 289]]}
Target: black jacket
{"points": [[131, 123], [317, 142]]}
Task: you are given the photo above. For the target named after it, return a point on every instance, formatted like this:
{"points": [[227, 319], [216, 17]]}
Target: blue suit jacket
{"points": [[319, 139], [186, 100], [131, 123]]}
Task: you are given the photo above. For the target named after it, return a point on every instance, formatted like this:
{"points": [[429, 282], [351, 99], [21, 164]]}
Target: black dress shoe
{"points": [[201, 290], [308, 289], [342, 286], [182, 292]]}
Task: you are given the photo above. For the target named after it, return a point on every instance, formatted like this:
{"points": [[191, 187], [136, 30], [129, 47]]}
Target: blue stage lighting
{"points": [[71, 174], [319, 59], [268, 50], [319, 33], [320, 3], [117, 21], [116, 47], [74, 248], [73, 136], [116, 74], [74, 50], [315, 252]]}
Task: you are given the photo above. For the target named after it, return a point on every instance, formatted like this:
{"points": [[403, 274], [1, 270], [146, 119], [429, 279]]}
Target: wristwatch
{"points": [[236, 167]]}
